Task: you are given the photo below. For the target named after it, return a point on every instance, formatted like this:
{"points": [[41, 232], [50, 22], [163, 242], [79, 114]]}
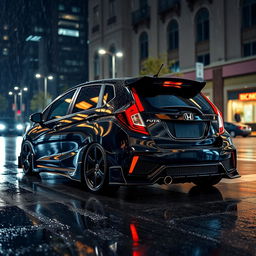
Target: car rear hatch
{"points": [[173, 111]]}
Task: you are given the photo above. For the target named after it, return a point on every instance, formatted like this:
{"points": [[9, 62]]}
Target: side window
{"points": [[109, 94], [87, 99], [60, 107]]}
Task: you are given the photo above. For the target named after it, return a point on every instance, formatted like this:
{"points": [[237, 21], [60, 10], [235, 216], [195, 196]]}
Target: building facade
{"points": [[219, 34]]}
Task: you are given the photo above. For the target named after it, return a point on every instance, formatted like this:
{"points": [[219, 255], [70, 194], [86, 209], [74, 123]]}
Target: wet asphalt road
{"points": [[52, 215]]}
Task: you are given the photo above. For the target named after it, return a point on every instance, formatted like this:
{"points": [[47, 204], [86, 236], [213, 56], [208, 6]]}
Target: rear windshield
{"points": [[163, 101]]}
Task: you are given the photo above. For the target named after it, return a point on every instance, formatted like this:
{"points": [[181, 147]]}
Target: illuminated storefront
{"points": [[242, 103]]}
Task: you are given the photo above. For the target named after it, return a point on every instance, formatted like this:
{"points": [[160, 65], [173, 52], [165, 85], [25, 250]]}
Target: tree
{"points": [[151, 66], [37, 103], [3, 104]]}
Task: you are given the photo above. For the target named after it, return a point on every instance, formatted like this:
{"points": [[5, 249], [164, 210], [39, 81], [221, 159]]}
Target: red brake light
{"points": [[172, 84], [135, 236], [219, 114], [131, 116], [137, 100]]}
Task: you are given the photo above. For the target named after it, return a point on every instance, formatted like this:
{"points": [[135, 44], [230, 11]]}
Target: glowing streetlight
{"points": [[113, 55], [102, 51], [119, 54], [46, 78]]}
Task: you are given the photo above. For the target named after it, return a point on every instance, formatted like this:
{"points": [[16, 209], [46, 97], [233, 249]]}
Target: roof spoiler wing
{"points": [[165, 85]]}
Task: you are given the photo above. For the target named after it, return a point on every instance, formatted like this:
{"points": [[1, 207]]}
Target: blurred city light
{"points": [[102, 51], [119, 54]]}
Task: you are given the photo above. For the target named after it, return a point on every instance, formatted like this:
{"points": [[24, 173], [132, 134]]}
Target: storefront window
{"points": [[242, 106]]}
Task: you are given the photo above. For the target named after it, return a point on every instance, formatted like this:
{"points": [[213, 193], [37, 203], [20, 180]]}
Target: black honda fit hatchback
{"points": [[132, 131]]}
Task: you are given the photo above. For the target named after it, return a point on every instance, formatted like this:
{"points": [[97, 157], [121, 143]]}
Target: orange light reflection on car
{"points": [[94, 99], [68, 100], [83, 105]]}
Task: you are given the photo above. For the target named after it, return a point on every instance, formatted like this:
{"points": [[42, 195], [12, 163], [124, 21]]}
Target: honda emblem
{"points": [[188, 116]]}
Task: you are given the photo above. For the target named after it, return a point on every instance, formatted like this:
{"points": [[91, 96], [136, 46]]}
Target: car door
{"points": [[47, 143], [76, 130]]}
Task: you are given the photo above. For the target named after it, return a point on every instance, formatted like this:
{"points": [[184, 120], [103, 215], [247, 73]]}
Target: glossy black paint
{"points": [[60, 144]]}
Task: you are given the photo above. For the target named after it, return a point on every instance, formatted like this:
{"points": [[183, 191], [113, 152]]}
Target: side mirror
{"points": [[36, 118]]}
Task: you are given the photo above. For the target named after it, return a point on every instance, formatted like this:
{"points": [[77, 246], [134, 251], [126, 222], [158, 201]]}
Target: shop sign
{"points": [[247, 96]]}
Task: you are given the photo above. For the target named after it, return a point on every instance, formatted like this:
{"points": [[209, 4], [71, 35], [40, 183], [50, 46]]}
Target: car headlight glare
{"points": [[19, 127], [2, 127]]}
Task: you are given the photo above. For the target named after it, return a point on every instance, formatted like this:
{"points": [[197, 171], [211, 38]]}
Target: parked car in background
{"points": [[132, 131], [9, 126], [238, 129]]}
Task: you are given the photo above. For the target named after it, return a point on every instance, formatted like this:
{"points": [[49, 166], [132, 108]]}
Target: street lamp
{"points": [[46, 78], [18, 91], [113, 55]]}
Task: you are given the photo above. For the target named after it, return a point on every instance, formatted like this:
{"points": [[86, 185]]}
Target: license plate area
{"points": [[187, 129]]}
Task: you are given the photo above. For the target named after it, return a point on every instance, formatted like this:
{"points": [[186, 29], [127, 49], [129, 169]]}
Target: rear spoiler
{"points": [[152, 85]]}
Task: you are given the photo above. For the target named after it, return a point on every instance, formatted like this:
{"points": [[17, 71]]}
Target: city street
{"points": [[52, 215]]}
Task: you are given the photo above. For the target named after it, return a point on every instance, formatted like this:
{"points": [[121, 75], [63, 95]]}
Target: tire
{"points": [[207, 181], [27, 158], [245, 135], [95, 172], [232, 134]]}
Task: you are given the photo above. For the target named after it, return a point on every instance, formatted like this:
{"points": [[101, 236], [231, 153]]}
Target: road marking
{"points": [[246, 159], [243, 178]]}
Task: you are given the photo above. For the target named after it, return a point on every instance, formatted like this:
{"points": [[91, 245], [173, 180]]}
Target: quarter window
{"points": [[60, 107], [87, 99], [108, 94]]}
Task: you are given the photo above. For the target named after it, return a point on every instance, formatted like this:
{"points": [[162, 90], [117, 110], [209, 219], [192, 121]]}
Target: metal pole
{"points": [[21, 104], [45, 90], [15, 106], [113, 66]]}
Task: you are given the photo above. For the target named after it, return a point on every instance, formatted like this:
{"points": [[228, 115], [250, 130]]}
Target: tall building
{"points": [[10, 47], [46, 37], [56, 43], [219, 34]]}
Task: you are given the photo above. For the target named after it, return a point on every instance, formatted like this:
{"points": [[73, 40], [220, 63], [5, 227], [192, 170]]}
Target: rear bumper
{"points": [[182, 166]]}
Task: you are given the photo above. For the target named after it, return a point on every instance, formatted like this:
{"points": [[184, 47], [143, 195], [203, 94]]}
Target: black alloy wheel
{"points": [[95, 168], [27, 159]]}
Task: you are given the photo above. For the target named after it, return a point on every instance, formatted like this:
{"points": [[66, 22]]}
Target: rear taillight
{"points": [[131, 117], [218, 113]]}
